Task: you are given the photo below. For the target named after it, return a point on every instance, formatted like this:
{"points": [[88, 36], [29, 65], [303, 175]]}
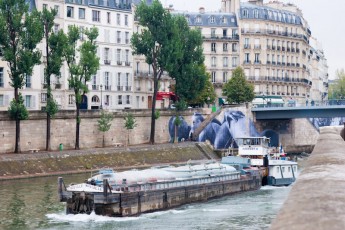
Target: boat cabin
{"points": [[253, 147]]}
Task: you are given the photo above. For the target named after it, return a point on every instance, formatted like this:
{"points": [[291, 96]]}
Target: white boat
{"points": [[280, 170]]}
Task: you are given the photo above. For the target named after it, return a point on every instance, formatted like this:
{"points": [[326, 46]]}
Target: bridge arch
{"points": [[273, 135]]}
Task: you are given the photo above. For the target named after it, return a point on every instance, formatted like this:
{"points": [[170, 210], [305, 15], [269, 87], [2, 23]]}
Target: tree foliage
{"points": [[104, 123], [337, 90], [130, 123], [82, 63], [237, 89], [20, 32], [156, 43], [187, 66], [17, 109], [207, 95]]}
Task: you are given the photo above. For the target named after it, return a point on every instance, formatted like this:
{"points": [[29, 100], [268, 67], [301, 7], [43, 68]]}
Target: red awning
{"points": [[162, 95]]}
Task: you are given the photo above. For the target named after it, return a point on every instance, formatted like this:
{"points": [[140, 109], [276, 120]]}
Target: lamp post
{"points": [[101, 86]]}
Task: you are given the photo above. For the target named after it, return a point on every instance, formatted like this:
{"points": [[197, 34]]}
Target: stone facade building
{"points": [[272, 42]]}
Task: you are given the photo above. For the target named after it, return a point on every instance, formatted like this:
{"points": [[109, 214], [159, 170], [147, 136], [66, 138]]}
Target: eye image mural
{"points": [[222, 134]]}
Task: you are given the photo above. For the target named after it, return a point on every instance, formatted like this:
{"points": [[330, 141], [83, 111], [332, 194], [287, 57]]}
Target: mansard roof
{"points": [[209, 19], [109, 4], [252, 11]]}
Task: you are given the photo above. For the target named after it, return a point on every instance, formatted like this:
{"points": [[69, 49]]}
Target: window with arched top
{"points": [[95, 99]]}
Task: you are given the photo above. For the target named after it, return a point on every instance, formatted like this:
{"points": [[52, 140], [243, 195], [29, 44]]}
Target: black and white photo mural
{"points": [[327, 121]]}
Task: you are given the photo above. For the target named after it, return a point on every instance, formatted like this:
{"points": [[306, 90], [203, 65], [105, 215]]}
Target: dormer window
{"points": [[245, 13], [198, 19], [256, 13], [223, 20], [269, 14], [212, 19], [187, 18]]}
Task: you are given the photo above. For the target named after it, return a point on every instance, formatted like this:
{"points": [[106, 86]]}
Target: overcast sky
{"points": [[325, 18]]}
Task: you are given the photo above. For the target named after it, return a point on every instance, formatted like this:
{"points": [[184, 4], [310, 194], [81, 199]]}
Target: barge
{"points": [[133, 192]]}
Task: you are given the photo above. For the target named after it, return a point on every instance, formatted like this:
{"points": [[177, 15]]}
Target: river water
{"points": [[32, 204]]}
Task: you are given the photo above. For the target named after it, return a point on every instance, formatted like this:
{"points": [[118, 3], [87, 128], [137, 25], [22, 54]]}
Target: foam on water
{"points": [[269, 187]]}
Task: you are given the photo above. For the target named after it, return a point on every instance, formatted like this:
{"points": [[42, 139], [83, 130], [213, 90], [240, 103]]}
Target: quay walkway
{"points": [[317, 199]]}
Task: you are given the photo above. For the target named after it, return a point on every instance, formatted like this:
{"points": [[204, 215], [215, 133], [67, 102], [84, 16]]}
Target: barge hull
{"points": [[135, 203]]}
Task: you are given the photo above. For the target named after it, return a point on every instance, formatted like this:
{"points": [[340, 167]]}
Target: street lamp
{"points": [[101, 107]]}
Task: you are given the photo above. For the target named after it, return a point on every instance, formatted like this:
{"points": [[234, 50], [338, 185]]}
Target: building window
{"points": [[126, 20], [70, 12], [108, 17], [246, 57], [56, 28], [213, 62], [71, 99], [127, 37], [234, 47], [212, 20], [106, 81], [256, 14], [119, 99], [118, 19], [225, 61], [245, 13], [128, 99], [1, 77], [213, 32], [28, 101], [95, 99], [118, 55], [198, 19], [213, 47], [96, 16], [118, 80], [43, 97], [223, 20], [225, 46], [257, 58], [81, 13], [27, 81], [213, 76], [225, 77], [234, 61], [2, 103], [106, 55], [118, 36]]}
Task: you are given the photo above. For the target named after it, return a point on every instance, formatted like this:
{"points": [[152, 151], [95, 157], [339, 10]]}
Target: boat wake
{"points": [[269, 187]]}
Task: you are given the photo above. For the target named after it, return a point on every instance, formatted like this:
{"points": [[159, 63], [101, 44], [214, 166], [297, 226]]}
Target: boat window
{"points": [[283, 169], [289, 169], [277, 169]]}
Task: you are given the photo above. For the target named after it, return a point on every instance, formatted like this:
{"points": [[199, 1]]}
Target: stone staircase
{"points": [[203, 125]]}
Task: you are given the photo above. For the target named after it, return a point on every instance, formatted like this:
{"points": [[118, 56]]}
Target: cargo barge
{"points": [[134, 192]]}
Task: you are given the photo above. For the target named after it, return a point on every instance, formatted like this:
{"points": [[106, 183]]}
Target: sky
{"points": [[325, 19]]}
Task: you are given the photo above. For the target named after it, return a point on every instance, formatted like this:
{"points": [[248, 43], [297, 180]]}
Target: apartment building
{"points": [[112, 86]]}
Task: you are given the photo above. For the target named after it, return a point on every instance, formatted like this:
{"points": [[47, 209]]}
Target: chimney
{"points": [[256, 2], [201, 10]]}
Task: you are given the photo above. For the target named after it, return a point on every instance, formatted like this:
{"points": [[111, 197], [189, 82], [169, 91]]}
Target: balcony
{"points": [[293, 50], [138, 88], [119, 62], [293, 64], [274, 63], [288, 49], [58, 86], [247, 62], [288, 64], [273, 47], [95, 87], [127, 41], [257, 62], [213, 37], [283, 48], [268, 47], [283, 63], [268, 63], [246, 46], [278, 48], [278, 63], [119, 88], [107, 88], [298, 65], [257, 47], [128, 88], [127, 63], [304, 53], [297, 50], [107, 62]]}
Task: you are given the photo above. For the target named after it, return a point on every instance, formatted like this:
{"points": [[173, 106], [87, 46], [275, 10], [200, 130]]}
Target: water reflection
{"points": [[16, 212]]}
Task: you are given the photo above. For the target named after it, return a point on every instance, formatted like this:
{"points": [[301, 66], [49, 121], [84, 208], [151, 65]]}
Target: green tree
{"points": [[82, 63], [187, 63], [337, 90], [237, 89], [54, 45], [104, 123], [20, 32], [207, 95], [130, 123], [155, 42]]}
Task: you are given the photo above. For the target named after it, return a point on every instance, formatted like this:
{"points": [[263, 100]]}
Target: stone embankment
{"points": [[27, 165], [317, 199]]}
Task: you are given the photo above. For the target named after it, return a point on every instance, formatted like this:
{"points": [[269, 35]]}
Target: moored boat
{"points": [[280, 171], [134, 192]]}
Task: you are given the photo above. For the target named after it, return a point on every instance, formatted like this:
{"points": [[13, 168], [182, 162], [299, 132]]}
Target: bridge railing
{"points": [[309, 103]]}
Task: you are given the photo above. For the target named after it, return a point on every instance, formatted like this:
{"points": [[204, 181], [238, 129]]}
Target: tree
{"points": [[54, 45], [207, 95], [155, 42], [20, 32], [187, 65], [82, 63], [130, 123], [337, 90], [104, 123], [237, 89]]}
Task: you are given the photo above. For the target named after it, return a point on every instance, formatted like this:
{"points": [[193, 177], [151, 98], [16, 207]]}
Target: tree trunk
{"points": [[153, 109], [17, 143], [77, 128], [48, 146], [103, 143]]}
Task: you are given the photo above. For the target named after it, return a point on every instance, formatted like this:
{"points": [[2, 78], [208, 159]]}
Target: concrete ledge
{"points": [[317, 199]]}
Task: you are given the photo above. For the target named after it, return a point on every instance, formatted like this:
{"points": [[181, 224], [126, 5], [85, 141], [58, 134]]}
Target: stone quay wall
{"points": [[316, 200], [33, 130]]}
